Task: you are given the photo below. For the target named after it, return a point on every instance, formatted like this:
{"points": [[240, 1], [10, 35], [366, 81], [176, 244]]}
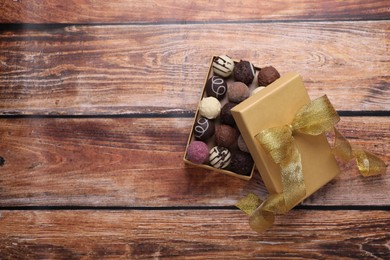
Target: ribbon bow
{"points": [[315, 118]]}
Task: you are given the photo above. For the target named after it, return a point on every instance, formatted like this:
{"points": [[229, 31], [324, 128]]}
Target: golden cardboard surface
{"points": [[276, 105]]}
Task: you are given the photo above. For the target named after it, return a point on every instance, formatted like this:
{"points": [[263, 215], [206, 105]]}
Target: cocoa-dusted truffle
{"points": [[242, 145], [204, 128], [197, 152], [223, 66], [225, 135], [244, 71], [219, 157], [241, 163], [210, 107], [216, 87], [237, 92], [267, 75], [226, 116]]}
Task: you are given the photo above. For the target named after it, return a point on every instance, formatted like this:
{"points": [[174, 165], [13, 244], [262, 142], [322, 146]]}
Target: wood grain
{"points": [[201, 234], [121, 69], [137, 162], [153, 11], [111, 184]]}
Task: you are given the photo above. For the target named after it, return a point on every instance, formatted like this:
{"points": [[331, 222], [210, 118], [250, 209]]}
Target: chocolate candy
{"points": [[216, 87], [237, 92], [267, 75], [223, 66], [241, 163], [226, 115], [242, 145], [204, 129], [244, 72], [225, 135], [210, 107], [258, 89], [219, 157], [197, 152]]}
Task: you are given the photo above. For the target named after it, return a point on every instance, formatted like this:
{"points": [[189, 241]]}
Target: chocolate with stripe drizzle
{"points": [[219, 157]]}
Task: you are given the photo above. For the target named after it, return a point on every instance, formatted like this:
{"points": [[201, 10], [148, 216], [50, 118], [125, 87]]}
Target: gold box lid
{"points": [[276, 105]]}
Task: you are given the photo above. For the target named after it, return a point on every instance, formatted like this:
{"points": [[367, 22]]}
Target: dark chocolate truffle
{"points": [[242, 145], [244, 72], [204, 129], [267, 75], [225, 135], [197, 152], [237, 92], [226, 115], [219, 157], [241, 163], [216, 87]]}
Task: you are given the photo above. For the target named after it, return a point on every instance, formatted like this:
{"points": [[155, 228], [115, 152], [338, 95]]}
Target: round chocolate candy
{"points": [[197, 152], [241, 163], [204, 128], [219, 157], [210, 107], [223, 66], [225, 135], [226, 114], [244, 71], [237, 92], [258, 89], [242, 145], [267, 75], [216, 87]]}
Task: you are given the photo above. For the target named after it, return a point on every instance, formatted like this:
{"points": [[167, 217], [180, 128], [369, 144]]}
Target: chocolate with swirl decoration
{"points": [[216, 87], [204, 129], [219, 157]]}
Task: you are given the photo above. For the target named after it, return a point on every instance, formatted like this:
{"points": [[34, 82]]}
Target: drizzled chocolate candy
{"points": [[204, 129], [223, 66], [216, 87], [219, 157]]}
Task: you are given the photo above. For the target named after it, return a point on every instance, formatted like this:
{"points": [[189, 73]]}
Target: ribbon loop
{"points": [[316, 117], [368, 163]]}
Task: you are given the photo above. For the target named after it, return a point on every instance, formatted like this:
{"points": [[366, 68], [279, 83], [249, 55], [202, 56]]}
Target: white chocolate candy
{"points": [[257, 90], [223, 66], [210, 107]]}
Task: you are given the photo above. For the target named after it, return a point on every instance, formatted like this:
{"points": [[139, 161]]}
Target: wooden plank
{"points": [[121, 69], [200, 234], [137, 162], [152, 11]]}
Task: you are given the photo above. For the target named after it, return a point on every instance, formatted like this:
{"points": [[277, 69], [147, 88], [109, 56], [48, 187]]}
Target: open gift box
{"points": [[284, 132], [275, 105]]}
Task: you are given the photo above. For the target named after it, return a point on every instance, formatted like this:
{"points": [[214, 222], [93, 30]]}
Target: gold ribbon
{"points": [[314, 118]]}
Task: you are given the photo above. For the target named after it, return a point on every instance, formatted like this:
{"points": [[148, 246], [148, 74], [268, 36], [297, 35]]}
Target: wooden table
{"points": [[97, 100]]}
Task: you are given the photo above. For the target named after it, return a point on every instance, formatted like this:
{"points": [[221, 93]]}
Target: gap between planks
{"points": [[178, 114], [173, 208]]}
